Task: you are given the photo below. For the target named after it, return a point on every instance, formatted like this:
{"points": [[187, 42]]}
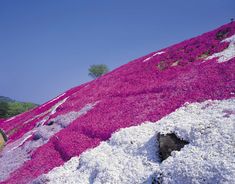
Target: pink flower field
{"points": [[146, 89]]}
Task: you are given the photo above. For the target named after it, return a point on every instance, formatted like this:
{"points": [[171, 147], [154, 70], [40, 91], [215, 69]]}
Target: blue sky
{"points": [[47, 46]]}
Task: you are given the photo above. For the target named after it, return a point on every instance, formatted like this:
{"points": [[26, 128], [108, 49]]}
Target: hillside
{"points": [[10, 107], [105, 131], [5, 99]]}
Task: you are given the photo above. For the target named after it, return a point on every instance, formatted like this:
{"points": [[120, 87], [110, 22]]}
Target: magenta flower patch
{"points": [[136, 92]]}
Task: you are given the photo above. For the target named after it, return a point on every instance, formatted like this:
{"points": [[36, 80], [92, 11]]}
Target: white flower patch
{"points": [[16, 153], [49, 112], [52, 100], [130, 156], [53, 110], [11, 161], [158, 53], [226, 54], [10, 118]]}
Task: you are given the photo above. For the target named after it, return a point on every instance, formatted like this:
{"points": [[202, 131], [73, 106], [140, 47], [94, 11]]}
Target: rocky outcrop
{"points": [[3, 138], [168, 143]]}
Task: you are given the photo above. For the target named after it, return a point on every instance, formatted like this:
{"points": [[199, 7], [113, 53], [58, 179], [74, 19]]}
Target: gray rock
{"points": [[168, 143], [3, 135]]}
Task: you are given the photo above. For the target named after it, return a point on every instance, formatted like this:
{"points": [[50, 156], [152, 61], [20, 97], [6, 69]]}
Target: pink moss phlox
{"points": [[136, 92]]}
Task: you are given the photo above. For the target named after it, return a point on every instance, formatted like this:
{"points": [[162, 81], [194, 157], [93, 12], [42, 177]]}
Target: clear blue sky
{"points": [[47, 46]]}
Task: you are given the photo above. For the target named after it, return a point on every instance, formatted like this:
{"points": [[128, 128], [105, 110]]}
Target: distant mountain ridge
{"points": [[10, 107], [6, 99]]}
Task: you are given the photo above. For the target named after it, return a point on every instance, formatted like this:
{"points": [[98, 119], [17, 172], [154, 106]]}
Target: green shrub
{"points": [[97, 70]]}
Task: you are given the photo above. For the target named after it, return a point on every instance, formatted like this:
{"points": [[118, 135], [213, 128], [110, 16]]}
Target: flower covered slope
{"points": [[130, 154], [146, 89]]}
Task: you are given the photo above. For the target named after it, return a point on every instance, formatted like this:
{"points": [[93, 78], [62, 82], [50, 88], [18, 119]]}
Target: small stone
{"points": [[50, 123], [37, 136]]}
